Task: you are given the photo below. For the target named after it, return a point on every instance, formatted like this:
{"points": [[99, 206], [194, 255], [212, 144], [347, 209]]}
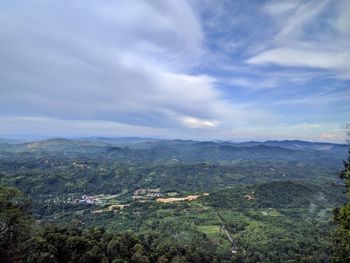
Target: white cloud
{"points": [[298, 57], [198, 123], [118, 61], [123, 62], [309, 34]]}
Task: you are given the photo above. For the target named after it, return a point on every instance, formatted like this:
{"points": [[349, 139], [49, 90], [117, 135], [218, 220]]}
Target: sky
{"points": [[197, 69]]}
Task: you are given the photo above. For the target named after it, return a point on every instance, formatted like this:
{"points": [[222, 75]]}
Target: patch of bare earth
{"points": [[180, 199]]}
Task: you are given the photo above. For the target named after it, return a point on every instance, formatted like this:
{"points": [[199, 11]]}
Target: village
{"points": [[140, 195], [110, 202]]}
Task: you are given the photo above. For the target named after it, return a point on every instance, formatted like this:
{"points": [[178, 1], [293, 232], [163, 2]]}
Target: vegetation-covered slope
{"points": [[131, 202]]}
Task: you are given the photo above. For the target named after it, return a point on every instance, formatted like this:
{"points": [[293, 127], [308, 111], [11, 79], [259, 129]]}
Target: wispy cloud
{"points": [[119, 61], [196, 69], [311, 35]]}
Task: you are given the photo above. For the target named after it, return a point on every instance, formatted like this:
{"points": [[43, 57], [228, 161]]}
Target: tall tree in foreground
{"points": [[341, 247], [14, 223]]}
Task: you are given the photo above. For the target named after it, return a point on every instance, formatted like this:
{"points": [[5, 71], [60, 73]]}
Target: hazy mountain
{"points": [[158, 151]]}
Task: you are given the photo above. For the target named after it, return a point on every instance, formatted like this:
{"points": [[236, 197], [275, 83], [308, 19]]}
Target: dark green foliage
{"points": [[14, 223], [341, 246], [59, 244], [71, 244], [285, 222], [282, 194]]}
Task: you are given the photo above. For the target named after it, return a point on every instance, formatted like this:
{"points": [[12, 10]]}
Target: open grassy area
{"points": [[210, 230]]}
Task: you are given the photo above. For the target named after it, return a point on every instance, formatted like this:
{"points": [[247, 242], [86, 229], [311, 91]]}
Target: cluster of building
{"points": [[88, 199]]}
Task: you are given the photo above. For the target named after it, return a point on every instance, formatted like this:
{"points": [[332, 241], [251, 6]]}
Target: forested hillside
{"points": [[341, 245], [102, 200]]}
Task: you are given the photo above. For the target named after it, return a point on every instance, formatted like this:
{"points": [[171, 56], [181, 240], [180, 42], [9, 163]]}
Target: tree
{"points": [[14, 223], [38, 250], [341, 246]]}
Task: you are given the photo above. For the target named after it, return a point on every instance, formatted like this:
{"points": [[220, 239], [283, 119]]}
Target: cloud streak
{"points": [[115, 61], [182, 68], [313, 35]]}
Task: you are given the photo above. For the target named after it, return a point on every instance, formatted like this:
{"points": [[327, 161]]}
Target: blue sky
{"points": [[200, 69]]}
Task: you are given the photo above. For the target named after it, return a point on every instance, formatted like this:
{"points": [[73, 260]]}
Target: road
{"points": [[229, 237]]}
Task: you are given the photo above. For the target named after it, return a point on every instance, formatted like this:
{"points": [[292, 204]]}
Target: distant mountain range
{"points": [[291, 144], [297, 145], [160, 151]]}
